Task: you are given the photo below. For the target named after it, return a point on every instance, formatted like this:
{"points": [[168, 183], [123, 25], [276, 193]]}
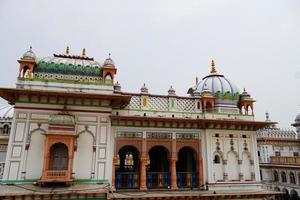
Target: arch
{"points": [[108, 76], [35, 155], [187, 161], [292, 178], [218, 168], [125, 151], [232, 164], [283, 177], [33, 131], [24, 71], [246, 166], [275, 176], [286, 194], [59, 157], [294, 195], [86, 130], [83, 157], [233, 152], [208, 107], [220, 153], [159, 159], [277, 196], [5, 129]]}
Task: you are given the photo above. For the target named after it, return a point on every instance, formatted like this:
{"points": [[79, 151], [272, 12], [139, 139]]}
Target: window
{"points": [[198, 105], [258, 153], [217, 159], [283, 177], [276, 177], [277, 153], [230, 135], [244, 136], [5, 129], [296, 154], [292, 178], [217, 135]]}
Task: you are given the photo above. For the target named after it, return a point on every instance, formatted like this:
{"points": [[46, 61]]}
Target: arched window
{"points": [[217, 159], [276, 177], [108, 77], [5, 129], [283, 177], [198, 105], [292, 178], [58, 157]]}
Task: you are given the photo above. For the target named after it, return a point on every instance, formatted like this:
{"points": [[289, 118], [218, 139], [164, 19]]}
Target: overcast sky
{"points": [[255, 43]]}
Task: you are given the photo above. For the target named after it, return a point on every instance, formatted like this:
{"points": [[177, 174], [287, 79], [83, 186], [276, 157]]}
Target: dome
{"points": [[70, 65], [109, 62], [29, 55], [6, 111], [217, 84]]}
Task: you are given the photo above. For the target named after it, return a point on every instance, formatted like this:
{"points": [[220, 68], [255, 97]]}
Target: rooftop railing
{"points": [[285, 160]]}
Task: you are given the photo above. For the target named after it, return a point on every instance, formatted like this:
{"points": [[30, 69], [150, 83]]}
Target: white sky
{"points": [[255, 43]]}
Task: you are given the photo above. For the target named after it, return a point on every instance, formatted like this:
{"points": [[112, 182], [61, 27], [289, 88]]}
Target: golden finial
{"points": [[83, 51], [213, 68], [67, 50]]}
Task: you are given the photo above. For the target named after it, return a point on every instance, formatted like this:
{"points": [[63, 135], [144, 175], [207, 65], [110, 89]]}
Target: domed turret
{"points": [[117, 87], [171, 91], [109, 62], [29, 55], [109, 69], [144, 89]]}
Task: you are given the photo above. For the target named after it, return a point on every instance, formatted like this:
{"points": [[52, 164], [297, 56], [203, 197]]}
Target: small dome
{"points": [[144, 89], [6, 111], [206, 92], [218, 85], [29, 55], [171, 91], [109, 62], [117, 87]]}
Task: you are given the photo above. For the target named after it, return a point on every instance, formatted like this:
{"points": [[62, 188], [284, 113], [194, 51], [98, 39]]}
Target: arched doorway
{"points": [[127, 170], [186, 167], [58, 157], [294, 195], [286, 195], [158, 175], [277, 196]]}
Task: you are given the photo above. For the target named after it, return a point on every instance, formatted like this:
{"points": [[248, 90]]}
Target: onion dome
{"points": [[144, 89], [218, 85], [6, 112], [171, 91], [196, 93], [29, 55], [117, 87], [245, 95], [109, 62]]}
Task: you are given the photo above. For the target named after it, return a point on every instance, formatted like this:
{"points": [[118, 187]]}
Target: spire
{"points": [[67, 50], [83, 52], [30, 48], [197, 80], [267, 117], [171, 91], [213, 68]]}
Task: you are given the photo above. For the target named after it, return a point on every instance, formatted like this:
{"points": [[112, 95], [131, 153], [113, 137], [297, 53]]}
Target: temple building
{"points": [[279, 159], [73, 123]]}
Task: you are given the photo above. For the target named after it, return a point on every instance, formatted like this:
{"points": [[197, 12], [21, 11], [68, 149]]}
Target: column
{"points": [[172, 162], [143, 176], [200, 172]]}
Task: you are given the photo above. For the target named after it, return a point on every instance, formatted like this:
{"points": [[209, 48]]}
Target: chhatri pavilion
{"points": [[73, 123]]}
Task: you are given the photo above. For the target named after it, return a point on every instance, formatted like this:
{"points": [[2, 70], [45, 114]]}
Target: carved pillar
{"points": [[172, 162], [200, 172], [143, 176]]}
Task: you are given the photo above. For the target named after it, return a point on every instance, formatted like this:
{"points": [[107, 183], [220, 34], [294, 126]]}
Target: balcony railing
{"points": [[127, 180], [187, 179], [285, 160]]}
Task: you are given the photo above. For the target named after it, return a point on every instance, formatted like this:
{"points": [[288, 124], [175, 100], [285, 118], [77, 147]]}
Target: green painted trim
{"points": [[18, 181], [134, 126], [102, 82], [100, 181], [62, 104]]}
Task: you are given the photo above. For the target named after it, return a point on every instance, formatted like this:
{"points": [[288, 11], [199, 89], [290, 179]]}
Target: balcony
{"points": [[56, 176], [285, 160]]}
